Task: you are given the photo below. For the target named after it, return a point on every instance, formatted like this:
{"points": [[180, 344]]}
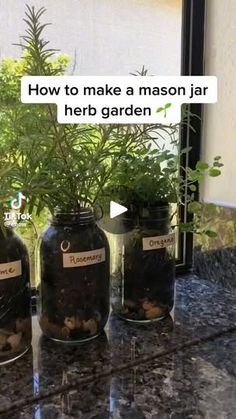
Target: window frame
{"points": [[192, 64]]}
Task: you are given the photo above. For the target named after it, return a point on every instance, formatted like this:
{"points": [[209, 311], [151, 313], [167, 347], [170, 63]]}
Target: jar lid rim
{"points": [[83, 214]]}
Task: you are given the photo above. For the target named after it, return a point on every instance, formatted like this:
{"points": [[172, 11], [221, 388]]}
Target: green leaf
{"points": [[217, 164], [194, 207], [211, 233], [192, 188], [160, 109], [186, 227], [214, 172], [201, 165], [186, 150], [168, 105]]}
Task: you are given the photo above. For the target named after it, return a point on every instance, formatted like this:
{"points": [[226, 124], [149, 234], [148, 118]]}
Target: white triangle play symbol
{"points": [[116, 209]]}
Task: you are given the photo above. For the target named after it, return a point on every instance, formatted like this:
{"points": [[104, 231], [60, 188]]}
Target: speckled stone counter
{"points": [[181, 367], [218, 265]]}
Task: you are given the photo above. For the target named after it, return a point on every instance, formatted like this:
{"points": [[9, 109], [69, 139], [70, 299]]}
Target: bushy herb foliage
{"points": [[66, 166]]}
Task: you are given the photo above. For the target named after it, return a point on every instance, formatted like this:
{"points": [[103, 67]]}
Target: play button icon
{"points": [[116, 209]]}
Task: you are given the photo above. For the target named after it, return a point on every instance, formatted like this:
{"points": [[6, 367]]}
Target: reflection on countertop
{"points": [[180, 367]]}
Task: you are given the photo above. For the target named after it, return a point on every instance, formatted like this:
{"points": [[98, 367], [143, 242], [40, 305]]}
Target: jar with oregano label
{"points": [[142, 264]]}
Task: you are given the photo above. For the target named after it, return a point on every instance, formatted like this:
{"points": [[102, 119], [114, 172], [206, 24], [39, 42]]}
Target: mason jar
{"points": [[15, 297], [74, 288], [142, 264]]}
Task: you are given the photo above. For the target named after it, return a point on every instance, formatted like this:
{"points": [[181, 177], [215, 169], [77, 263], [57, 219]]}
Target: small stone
{"points": [[22, 325], [154, 313], [6, 332], [49, 328], [90, 326], [148, 305], [72, 322], [44, 322], [14, 340], [65, 332]]}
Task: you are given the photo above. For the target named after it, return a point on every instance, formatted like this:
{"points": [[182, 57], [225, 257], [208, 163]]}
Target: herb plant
{"points": [[76, 161], [154, 179], [68, 166]]}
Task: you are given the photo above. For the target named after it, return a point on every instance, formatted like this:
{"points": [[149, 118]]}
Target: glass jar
{"points": [[74, 288], [15, 297], [142, 264]]}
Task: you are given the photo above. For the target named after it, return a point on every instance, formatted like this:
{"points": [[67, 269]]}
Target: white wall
{"points": [[220, 119], [109, 36]]}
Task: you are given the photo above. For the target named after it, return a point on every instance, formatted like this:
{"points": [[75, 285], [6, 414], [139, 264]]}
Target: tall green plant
{"points": [[66, 166], [79, 159]]}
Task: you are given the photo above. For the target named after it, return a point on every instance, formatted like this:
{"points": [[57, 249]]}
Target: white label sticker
{"points": [[75, 260], [158, 242], [10, 270]]}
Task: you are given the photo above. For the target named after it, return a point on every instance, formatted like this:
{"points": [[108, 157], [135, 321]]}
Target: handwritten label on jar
{"points": [[158, 242], [10, 269], [75, 260]]}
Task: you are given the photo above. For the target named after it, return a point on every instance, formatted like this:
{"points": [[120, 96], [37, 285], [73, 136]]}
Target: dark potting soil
{"points": [[149, 275], [14, 301], [75, 304]]}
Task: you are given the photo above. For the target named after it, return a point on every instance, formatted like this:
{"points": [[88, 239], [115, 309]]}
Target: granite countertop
{"points": [[180, 367]]}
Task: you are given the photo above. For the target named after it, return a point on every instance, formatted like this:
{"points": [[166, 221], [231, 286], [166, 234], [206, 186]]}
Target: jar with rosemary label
{"points": [[15, 297], [142, 264], [74, 288]]}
